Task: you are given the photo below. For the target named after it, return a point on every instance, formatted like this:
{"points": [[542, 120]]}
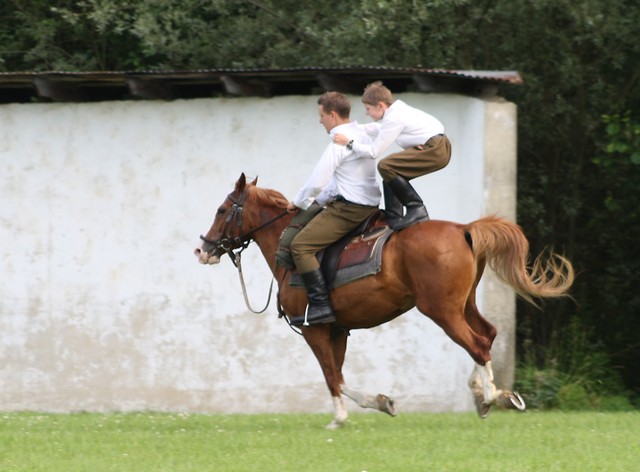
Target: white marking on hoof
{"points": [[341, 414]]}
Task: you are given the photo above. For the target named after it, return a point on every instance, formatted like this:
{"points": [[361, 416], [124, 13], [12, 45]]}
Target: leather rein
{"points": [[228, 243]]}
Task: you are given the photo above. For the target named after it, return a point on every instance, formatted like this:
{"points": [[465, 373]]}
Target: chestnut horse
{"points": [[433, 265]]}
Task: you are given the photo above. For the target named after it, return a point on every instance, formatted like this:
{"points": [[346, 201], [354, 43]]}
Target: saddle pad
{"points": [[361, 257]]}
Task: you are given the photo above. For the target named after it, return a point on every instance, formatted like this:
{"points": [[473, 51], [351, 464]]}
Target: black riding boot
{"points": [[392, 206], [407, 195], [319, 309]]}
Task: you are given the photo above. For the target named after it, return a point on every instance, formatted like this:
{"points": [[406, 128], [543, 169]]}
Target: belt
{"points": [[340, 198]]}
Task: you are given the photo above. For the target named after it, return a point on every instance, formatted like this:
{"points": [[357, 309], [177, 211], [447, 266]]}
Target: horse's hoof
{"points": [[386, 405], [334, 425], [511, 401], [482, 408], [517, 401]]}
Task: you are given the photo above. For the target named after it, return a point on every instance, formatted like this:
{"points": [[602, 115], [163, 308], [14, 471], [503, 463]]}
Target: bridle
{"points": [[228, 243]]}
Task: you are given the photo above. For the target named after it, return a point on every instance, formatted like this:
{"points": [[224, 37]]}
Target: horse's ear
{"points": [[255, 181], [241, 183]]}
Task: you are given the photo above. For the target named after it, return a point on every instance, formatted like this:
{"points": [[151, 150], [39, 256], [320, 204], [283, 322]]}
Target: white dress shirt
{"points": [[402, 124], [341, 171]]}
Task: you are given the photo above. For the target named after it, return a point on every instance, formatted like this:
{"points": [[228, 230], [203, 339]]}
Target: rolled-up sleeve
{"points": [[320, 177], [387, 133]]}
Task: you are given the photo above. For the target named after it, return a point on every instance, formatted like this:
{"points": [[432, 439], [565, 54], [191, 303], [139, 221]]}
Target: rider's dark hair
{"points": [[335, 101]]}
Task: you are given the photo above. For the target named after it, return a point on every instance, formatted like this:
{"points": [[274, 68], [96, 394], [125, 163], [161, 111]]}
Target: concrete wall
{"points": [[103, 306]]}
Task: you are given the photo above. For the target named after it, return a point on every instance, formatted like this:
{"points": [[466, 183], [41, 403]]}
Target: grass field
{"points": [[506, 441]]}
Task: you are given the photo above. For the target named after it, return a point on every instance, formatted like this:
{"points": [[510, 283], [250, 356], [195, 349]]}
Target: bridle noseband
{"points": [[228, 243]]}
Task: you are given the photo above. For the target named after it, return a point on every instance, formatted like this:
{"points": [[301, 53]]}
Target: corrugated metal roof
{"points": [[168, 84]]}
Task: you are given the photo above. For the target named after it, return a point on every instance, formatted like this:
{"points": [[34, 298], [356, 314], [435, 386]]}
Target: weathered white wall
{"points": [[104, 307]]}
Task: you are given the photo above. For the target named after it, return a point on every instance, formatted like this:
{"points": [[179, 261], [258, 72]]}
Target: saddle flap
{"points": [[356, 255]]}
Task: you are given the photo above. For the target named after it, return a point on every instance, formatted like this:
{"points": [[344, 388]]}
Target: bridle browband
{"points": [[227, 243]]}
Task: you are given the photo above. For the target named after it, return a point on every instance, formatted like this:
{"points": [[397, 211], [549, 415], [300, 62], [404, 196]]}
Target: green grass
{"points": [[506, 441]]}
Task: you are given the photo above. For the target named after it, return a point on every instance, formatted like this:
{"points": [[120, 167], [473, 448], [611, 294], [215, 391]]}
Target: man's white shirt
{"points": [[405, 125], [341, 171]]}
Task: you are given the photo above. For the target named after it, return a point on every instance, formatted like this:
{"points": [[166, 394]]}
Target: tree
{"points": [[612, 296]]}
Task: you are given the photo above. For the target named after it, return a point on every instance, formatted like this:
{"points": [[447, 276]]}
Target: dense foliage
{"points": [[579, 143]]}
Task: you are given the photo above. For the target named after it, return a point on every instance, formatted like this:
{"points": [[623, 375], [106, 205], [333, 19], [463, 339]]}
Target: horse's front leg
{"points": [[378, 402], [340, 416], [329, 352]]}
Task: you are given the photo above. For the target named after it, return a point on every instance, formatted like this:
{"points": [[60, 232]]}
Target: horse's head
{"points": [[246, 212], [226, 232]]}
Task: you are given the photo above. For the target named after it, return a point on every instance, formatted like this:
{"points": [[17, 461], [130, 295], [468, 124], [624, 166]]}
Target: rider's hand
{"points": [[291, 208], [341, 139]]}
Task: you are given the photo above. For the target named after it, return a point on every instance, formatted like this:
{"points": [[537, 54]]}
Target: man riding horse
{"points": [[346, 183], [348, 175]]}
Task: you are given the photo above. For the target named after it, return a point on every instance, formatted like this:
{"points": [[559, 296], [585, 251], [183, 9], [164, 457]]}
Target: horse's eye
{"points": [[221, 211]]}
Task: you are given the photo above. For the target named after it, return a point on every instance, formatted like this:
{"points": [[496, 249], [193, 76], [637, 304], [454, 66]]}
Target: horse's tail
{"points": [[505, 248]]}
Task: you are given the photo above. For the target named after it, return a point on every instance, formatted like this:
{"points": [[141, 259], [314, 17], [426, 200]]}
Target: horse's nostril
{"points": [[197, 251]]}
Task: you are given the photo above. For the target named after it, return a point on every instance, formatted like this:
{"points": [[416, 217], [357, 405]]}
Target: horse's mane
{"points": [[268, 196]]}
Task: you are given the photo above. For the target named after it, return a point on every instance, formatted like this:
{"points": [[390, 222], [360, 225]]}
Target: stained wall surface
{"points": [[103, 305]]}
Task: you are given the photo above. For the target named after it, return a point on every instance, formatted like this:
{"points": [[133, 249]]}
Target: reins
{"points": [[244, 288]]}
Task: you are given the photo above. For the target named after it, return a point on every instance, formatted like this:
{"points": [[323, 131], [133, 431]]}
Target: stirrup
{"points": [[313, 320]]}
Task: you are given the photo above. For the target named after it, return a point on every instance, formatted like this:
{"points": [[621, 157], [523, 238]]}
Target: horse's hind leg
{"points": [[481, 381], [482, 386], [459, 323], [477, 322], [486, 394]]}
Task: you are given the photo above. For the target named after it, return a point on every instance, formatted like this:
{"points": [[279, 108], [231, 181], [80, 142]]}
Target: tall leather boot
{"points": [[392, 206], [319, 309], [416, 211]]}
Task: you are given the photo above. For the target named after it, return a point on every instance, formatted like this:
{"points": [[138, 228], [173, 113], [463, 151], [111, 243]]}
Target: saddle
{"points": [[354, 256]]}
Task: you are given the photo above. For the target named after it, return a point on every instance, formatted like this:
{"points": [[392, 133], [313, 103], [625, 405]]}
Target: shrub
{"points": [[573, 396], [576, 374]]}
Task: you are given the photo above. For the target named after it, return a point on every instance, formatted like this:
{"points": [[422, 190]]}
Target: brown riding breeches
{"points": [[413, 162], [337, 219]]}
